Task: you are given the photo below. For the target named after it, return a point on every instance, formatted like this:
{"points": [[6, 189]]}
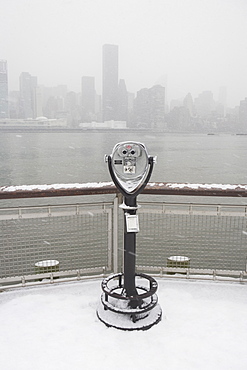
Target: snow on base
{"points": [[124, 322]]}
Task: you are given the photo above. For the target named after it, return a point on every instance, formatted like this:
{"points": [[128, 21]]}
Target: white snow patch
{"points": [[56, 186], [204, 326], [110, 183], [179, 258], [206, 186]]}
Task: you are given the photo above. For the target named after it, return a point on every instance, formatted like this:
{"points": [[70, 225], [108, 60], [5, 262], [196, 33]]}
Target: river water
{"points": [[60, 157]]}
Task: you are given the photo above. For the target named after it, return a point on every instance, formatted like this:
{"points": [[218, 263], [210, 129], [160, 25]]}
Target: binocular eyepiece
{"points": [[130, 166], [129, 150]]}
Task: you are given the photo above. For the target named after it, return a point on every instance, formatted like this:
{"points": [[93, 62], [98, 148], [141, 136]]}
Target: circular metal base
{"points": [[125, 322]]}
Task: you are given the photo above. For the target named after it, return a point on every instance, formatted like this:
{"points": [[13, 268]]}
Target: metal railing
{"points": [[79, 237], [81, 240], [213, 238]]}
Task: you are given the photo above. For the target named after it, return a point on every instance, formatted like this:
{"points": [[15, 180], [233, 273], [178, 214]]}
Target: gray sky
{"points": [[198, 44]]}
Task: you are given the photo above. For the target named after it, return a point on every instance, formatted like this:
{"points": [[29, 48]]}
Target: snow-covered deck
{"points": [[204, 326]]}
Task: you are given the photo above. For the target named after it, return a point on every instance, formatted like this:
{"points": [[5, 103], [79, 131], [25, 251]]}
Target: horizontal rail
{"points": [[193, 209], [193, 273], [155, 188], [56, 190]]}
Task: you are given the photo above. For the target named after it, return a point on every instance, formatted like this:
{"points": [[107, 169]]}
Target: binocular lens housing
{"points": [[129, 165], [129, 150]]}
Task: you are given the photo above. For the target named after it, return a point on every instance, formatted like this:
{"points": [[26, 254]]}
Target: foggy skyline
{"points": [[197, 44]]}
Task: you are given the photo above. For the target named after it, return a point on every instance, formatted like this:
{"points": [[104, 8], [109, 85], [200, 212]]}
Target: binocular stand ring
{"points": [[116, 303]]}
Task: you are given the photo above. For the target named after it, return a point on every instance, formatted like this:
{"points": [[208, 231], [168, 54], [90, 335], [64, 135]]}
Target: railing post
{"points": [[115, 234]]}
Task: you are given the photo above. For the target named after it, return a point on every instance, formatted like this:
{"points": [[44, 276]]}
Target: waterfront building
{"points": [[157, 106], [13, 102], [122, 101], [4, 109], [222, 101], [38, 102], [53, 99], [243, 116], [110, 82], [149, 107], [72, 108], [88, 98], [28, 86], [204, 104], [141, 110], [189, 104]]}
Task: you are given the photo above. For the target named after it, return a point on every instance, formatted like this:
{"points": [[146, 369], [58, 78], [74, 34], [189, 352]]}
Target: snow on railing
{"points": [[94, 188]]}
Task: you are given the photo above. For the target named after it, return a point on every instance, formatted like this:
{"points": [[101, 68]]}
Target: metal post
{"points": [[130, 256], [115, 234]]}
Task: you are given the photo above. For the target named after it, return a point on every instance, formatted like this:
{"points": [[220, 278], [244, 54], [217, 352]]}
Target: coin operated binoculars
{"points": [[125, 304]]}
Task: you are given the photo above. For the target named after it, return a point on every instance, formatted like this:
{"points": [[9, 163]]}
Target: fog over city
{"points": [[193, 45]]}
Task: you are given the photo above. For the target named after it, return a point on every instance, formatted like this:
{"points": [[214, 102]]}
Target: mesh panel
{"points": [[78, 241], [80, 237], [209, 241]]}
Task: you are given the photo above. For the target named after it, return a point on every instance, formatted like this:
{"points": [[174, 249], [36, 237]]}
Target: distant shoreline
{"points": [[29, 129]]}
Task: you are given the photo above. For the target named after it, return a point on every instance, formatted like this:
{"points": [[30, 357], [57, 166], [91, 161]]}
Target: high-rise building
{"points": [[189, 104], [110, 82], [4, 110], [38, 102], [141, 116], [28, 85], [222, 101], [88, 98], [122, 101], [204, 104], [149, 107], [157, 106], [242, 127]]}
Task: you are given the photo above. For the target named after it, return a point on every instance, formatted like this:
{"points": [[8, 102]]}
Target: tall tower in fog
{"points": [[28, 86], [122, 113], [4, 111], [88, 98], [110, 82], [242, 127], [223, 99]]}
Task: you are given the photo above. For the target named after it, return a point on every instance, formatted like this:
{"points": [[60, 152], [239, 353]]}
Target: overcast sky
{"points": [[198, 44]]}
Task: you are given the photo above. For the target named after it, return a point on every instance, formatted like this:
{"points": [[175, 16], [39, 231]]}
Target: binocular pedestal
{"points": [[129, 300]]}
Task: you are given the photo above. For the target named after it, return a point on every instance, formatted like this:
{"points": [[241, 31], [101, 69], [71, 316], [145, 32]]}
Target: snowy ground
{"points": [[204, 326]]}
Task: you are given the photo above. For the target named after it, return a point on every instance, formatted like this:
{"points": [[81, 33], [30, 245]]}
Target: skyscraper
{"points": [[110, 82], [88, 98], [204, 104], [122, 113], [28, 85], [242, 127], [4, 110], [149, 107], [223, 99]]}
